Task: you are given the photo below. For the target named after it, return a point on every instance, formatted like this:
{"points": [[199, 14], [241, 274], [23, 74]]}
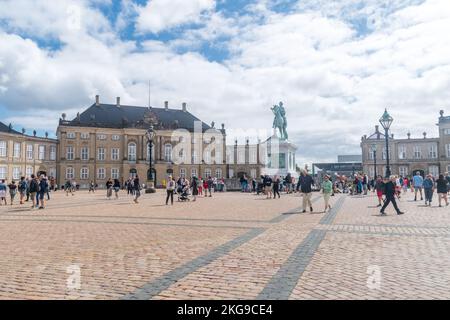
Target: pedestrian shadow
{"points": [[373, 207]]}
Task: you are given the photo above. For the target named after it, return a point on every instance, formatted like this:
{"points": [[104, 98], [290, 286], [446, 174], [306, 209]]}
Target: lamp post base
{"points": [[150, 187]]}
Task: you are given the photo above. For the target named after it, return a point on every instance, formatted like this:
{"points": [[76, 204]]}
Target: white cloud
{"points": [[159, 15]]}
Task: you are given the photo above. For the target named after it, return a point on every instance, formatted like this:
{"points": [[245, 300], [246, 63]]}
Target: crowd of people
{"points": [[35, 188]]}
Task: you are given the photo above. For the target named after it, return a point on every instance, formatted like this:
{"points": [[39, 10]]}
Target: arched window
{"points": [[132, 151], [168, 152]]}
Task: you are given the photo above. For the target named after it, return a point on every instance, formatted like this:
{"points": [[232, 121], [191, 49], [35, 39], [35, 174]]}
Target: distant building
{"points": [[357, 158], [347, 165], [409, 155], [22, 154]]}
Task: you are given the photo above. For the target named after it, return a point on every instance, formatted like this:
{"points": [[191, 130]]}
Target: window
{"points": [[69, 173], [101, 154], [2, 172], [207, 173], [402, 152], [218, 173], [101, 137], [52, 172], [16, 173], [417, 152], [41, 153], [253, 173], [433, 170], [84, 173], [447, 131], [16, 151], [432, 152], [115, 137], [447, 149], [194, 157], [115, 154], [193, 172], [29, 171], [29, 151], [231, 173], [69, 153], [168, 153], [101, 173], [132, 151], [70, 135], [85, 153], [2, 148], [52, 153], [182, 172], [115, 173], [403, 171], [85, 136]]}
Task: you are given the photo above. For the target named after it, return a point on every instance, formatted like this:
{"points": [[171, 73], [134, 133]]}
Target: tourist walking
{"points": [[442, 188], [268, 186], [92, 187], [210, 184], [136, 189], [170, 189], [327, 189], [109, 188], [116, 187], [22, 187], [68, 187], [194, 186], [379, 187], [12, 191], [418, 185], [276, 188], [428, 187], [43, 189], [306, 182], [389, 187], [34, 188]]}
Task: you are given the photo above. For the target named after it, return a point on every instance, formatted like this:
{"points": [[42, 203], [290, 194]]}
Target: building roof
{"points": [[123, 116], [7, 129]]}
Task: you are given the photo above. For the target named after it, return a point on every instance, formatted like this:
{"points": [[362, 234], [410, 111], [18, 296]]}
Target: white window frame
{"points": [[70, 173], [70, 152], [115, 173], [208, 173], [417, 152], [16, 173], [183, 172], [132, 151], [28, 171], [403, 171], [168, 152], [84, 156], [29, 154], [41, 152], [434, 171], [52, 153], [101, 154], [218, 173], [84, 173], [432, 151], [402, 152], [101, 173], [16, 149], [101, 136], [71, 135], [84, 136], [115, 137], [115, 154], [193, 172], [3, 149], [3, 172]]}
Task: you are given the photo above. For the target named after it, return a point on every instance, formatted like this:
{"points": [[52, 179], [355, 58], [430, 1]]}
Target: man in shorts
{"points": [[418, 185], [34, 188]]}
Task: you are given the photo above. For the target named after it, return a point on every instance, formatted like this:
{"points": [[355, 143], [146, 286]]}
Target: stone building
{"points": [[409, 155], [109, 141], [22, 154]]}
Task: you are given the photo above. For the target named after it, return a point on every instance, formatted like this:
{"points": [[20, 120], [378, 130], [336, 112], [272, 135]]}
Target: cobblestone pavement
{"points": [[230, 246]]}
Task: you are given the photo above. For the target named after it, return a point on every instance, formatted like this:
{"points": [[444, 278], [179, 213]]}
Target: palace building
{"points": [[109, 141], [22, 154], [408, 155]]}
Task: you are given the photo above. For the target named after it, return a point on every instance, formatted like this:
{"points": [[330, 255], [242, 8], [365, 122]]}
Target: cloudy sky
{"points": [[335, 64]]}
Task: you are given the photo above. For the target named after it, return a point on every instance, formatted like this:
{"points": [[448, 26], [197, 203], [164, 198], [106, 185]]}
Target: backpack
{"points": [[23, 185]]}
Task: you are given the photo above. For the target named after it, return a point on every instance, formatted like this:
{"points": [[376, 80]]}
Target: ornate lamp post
{"points": [[150, 137], [373, 148], [386, 121]]}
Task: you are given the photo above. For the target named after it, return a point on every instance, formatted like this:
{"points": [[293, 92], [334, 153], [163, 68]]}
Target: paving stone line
{"points": [[160, 284], [282, 284], [331, 215], [387, 231]]}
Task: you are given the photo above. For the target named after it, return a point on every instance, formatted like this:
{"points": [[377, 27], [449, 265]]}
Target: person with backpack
{"points": [[43, 189], [12, 191], [3, 192], [22, 189], [136, 188], [34, 189], [170, 189]]}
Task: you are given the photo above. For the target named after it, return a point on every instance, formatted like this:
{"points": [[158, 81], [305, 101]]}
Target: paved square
{"points": [[231, 246]]}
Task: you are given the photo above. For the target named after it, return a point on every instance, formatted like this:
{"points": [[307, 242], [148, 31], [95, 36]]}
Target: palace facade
{"points": [[408, 155]]}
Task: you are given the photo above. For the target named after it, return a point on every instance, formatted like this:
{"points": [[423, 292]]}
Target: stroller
{"points": [[184, 195]]}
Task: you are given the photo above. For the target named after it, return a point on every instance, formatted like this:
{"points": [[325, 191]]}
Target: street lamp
{"points": [[386, 121], [150, 137], [373, 148]]}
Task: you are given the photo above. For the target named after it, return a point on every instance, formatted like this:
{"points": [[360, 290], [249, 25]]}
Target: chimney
{"points": [[166, 105], [424, 135], [392, 136], [118, 102], [377, 129], [184, 106], [97, 100], [409, 135]]}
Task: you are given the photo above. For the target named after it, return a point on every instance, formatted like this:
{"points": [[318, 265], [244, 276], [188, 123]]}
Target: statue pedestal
{"points": [[280, 157]]}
